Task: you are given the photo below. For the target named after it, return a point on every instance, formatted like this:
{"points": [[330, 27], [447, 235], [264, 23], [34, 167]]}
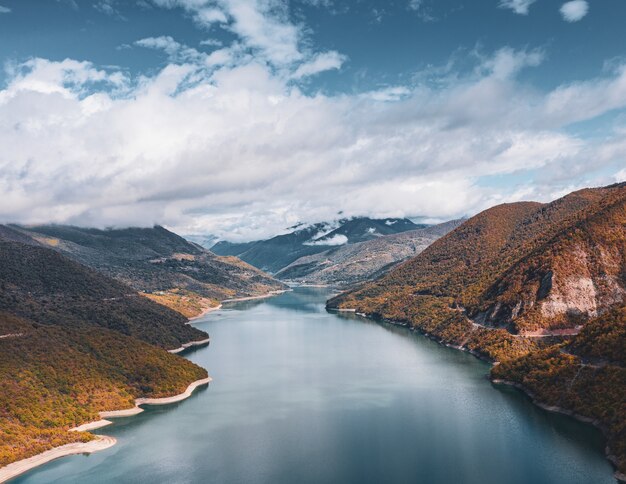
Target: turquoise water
{"points": [[304, 396]]}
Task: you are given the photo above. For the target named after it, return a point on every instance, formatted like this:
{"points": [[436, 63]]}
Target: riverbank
{"points": [[14, 469], [191, 344], [621, 477], [205, 311], [101, 442]]}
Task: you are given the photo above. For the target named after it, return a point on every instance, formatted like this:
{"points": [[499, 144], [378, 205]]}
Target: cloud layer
{"points": [[240, 151], [224, 139]]}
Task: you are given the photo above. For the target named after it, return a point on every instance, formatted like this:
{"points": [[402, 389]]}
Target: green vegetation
{"points": [[151, 260], [54, 378], [43, 286], [74, 342]]}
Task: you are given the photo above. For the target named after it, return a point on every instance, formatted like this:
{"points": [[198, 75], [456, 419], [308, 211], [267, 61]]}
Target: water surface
{"points": [[304, 396]]}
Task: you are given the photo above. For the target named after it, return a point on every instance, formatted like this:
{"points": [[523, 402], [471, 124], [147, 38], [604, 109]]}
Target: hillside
{"points": [[353, 263], [54, 378], [74, 342], [515, 280], [276, 253], [41, 285], [156, 261]]}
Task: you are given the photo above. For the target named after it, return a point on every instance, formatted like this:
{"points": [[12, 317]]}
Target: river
{"points": [[300, 395]]}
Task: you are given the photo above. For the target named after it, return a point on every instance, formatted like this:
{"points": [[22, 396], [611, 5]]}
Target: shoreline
{"points": [[204, 312], [101, 442], [14, 469], [191, 344], [619, 476]]}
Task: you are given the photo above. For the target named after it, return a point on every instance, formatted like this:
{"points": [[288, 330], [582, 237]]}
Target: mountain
{"points": [[156, 262], [353, 263], [74, 342], [206, 241], [540, 288], [274, 254], [43, 286]]}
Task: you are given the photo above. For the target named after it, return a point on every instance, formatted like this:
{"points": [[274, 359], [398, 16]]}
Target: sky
{"points": [[240, 118]]}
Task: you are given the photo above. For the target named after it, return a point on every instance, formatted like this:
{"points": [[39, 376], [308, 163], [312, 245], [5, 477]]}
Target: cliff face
{"points": [[525, 267], [575, 275]]}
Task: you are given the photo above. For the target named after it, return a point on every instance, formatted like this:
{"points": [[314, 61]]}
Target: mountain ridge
{"points": [[276, 253]]}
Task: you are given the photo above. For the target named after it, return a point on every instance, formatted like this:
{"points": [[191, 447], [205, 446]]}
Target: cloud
{"points": [[325, 61], [520, 7], [574, 11], [337, 239], [507, 62], [4, 9], [211, 43], [260, 24], [240, 151], [107, 7]]}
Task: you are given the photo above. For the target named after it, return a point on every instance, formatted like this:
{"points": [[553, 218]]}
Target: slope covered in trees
{"points": [[153, 260], [54, 378], [511, 284], [74, 342], [41, 285]]}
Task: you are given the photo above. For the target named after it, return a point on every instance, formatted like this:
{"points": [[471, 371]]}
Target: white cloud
{"points": [[4, 9], [240, 151], [260, 24], [325, 61], [211, 43], [388, 94], [337, 239], [520, 7], [574, 11]]}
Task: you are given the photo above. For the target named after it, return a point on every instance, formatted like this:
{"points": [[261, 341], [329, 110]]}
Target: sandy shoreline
{"points": [[191, 344], [205, 311], [101, 442], [14, 469]]}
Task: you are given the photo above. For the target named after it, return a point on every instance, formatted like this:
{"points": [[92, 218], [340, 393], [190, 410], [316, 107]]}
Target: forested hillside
{"points": [[155, 261], [74, 342], [512, 283]]}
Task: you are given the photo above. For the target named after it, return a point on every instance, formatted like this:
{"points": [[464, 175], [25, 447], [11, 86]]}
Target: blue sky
{"points": [[242, 117]]}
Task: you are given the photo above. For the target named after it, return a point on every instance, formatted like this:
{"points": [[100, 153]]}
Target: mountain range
{"points": [[278, 252], [539, 288], [350, 264], [155, 262]]}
